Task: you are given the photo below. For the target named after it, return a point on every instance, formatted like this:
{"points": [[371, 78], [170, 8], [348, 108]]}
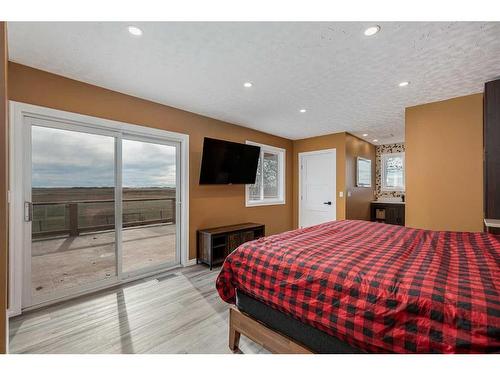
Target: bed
{"points": [[374, 288]]}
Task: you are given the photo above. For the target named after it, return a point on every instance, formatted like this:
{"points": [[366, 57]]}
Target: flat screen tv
{"points": [[226, 162]]}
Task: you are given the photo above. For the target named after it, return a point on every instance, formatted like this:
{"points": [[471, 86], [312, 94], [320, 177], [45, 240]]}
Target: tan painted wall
{"points": [[208, 205], [444, 164], [336, 141], [358, 204], [3, 186]]}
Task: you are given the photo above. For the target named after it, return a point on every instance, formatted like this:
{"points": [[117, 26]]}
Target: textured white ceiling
{"points": [[347, 81]]}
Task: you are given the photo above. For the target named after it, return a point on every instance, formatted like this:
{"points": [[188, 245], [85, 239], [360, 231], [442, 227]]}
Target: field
{"points": [[41, 195]]}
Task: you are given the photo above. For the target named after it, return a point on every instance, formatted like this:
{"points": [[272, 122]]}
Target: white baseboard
{"points": [[190, 262], [12, 312]]}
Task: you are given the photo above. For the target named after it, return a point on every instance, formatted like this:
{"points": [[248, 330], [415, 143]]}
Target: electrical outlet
{"points": [[341, 194]]}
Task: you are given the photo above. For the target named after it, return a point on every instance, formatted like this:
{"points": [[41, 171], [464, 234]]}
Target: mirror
{"points": [[363, 172]]}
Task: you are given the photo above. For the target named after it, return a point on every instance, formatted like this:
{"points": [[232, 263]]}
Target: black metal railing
{"points": [[85, 216]]}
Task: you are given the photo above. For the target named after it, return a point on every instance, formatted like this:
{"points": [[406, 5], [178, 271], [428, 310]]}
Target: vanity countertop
{"points": [[492, 223], [388, 202]]}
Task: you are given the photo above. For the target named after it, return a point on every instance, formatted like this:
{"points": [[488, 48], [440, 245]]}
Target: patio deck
{"points": [[66, 262]]}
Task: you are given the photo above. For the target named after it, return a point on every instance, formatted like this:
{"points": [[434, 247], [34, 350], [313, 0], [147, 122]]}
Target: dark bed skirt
{"points": [[316, 340]]}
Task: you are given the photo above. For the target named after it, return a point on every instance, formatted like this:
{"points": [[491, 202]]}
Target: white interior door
{"points": [[317, 174]]}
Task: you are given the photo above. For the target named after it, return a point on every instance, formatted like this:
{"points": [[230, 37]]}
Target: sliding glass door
{"points": [[149, 209], [102, 207], [73, 237]]}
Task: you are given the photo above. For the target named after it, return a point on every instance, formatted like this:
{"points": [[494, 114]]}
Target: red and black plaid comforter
{"points": [[378, 287]]}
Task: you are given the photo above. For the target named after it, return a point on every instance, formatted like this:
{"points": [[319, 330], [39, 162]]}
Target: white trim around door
{"points": [[19, 113], [331, 198]]}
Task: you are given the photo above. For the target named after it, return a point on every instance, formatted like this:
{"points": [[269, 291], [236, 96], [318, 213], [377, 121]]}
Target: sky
{"points": [[62, 158]]}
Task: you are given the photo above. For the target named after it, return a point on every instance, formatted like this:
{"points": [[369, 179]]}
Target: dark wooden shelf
{"points": [[215, 244], [231, 228]]}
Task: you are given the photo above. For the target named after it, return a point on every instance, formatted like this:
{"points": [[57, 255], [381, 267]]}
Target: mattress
{"points": [[318, 341], [377, 287]]}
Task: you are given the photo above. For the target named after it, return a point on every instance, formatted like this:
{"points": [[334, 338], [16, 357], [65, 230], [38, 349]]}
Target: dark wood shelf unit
{"points": [[215, 244], [394, 213]]}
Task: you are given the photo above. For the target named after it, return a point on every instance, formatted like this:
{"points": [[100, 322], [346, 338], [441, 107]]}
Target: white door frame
{"points": [[17, 153], [299, 197]]}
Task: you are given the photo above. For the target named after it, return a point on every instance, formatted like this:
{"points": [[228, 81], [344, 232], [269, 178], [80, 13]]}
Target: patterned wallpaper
{"points": [[379, 150]]}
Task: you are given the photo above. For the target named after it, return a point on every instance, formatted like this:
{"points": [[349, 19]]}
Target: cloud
{"points": [[148, 162], [62, 158]]}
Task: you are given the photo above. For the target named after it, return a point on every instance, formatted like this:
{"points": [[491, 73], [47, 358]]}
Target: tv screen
{"points": [[226, 162]]}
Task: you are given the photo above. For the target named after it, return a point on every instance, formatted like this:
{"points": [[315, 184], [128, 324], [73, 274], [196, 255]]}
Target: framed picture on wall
{"points": [[363, 172]]}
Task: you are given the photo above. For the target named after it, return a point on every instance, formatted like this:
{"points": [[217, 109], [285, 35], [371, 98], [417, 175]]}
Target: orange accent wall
{"points": [[3, 186], [444, 165], [209, 206]]}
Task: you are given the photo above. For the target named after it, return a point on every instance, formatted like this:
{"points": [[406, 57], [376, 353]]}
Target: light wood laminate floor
{"points": [[176, 312]]}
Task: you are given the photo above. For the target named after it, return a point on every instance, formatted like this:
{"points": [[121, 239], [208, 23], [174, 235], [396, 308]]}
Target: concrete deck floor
{"points": [[68, 262]]}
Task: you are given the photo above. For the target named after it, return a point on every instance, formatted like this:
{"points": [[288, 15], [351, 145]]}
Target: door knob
{"points": [[328, 203]]}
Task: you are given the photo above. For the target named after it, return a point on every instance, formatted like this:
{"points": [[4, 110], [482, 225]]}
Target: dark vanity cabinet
{"points": [[389, 213]]}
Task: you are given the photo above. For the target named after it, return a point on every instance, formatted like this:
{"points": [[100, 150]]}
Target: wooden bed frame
{"points": [[243, 324]]}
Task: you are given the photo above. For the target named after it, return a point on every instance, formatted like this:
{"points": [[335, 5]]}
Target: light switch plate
{"points": [[341, 194]]}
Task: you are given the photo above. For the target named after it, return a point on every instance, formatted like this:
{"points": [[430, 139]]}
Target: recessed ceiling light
{"points": [[303, 110], [375, 140], [248, 84], [365, 135], [134, 30], [372, 30], [404, 83]]}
